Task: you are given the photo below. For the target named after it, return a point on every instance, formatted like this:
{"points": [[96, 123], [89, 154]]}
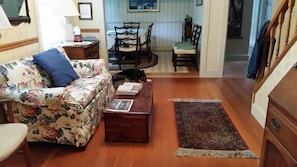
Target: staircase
{"points": [[278, 56], [280, 36]]}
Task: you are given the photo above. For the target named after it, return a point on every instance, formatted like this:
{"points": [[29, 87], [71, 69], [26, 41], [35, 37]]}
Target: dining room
{"points": [[167, 17]]}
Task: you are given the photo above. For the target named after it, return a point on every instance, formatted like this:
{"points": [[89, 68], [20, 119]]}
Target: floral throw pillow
{"points": [[21, 73]]}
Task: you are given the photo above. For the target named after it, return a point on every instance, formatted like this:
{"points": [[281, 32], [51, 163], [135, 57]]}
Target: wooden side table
{"points": [[78, 51], [7, 102]]}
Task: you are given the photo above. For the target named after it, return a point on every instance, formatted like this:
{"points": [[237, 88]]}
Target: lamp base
{"points": [[68, 33]]}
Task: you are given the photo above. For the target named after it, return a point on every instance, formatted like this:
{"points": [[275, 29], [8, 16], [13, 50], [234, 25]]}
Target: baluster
{"points": [[280, 25], [290, 9], [270, 53]]}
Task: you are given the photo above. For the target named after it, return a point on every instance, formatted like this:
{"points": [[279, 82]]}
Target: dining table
{"points": [[111, 35]]}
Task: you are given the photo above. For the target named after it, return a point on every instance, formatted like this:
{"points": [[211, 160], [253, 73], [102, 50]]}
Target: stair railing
{"points": [[277, 41]]}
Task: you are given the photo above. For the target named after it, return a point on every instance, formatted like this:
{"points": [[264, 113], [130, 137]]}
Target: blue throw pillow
{"points": [[57, 66]]}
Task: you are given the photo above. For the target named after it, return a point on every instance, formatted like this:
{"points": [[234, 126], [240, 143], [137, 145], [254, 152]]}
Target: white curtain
{"points": [[50, 26]]}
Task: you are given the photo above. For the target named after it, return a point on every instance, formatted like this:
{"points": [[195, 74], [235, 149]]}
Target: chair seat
{"points": [[183, 51], [15, 133], [127, 49]]}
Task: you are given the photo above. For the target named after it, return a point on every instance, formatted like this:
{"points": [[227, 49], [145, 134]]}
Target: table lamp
{"points": [[4, 22], [66, 8]]}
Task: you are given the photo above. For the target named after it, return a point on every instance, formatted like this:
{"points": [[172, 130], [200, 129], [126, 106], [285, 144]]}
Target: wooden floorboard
{"points": [[159, 152]]}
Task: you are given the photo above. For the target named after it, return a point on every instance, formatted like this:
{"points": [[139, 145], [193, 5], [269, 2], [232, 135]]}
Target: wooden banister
{"points": [[272, 51]]}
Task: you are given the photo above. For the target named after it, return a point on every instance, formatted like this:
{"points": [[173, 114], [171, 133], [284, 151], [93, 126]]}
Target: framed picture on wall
{"points": [[85, 11], [143, 5], [199, 2]]}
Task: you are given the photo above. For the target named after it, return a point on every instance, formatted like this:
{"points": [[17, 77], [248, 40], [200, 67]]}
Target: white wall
{"points": [[198, 13], [213, 42]]}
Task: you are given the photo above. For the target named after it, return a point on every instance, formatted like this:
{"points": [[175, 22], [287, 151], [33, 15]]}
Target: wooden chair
{"points": [[13, 136], [146, 49], [185, 53], [127, 46], [131, 24]]}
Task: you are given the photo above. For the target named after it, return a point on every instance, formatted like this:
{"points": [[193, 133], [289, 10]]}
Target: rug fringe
{"points": [[194, 100], [184, 152]]}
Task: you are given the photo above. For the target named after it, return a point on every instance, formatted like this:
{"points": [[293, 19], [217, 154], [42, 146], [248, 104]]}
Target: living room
{"points": [[23, 40], [98, 24]]}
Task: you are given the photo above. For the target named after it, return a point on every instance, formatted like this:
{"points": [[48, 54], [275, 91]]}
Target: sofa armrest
{"points": [[35, 97], [89, 67]]}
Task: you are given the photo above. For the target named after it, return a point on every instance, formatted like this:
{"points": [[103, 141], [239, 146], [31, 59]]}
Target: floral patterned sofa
{"points": [[64, 115]]}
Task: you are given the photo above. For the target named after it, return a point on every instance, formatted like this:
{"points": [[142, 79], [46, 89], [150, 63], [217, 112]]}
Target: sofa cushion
{"points": [[83, 90], [20, 73], [88, 67], [57, 66]]}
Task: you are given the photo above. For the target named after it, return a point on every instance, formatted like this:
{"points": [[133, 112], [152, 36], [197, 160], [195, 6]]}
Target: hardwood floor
{"points": [[159, 152], [235, 68]]}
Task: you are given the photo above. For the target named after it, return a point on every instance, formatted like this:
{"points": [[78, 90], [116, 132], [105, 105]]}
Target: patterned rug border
{"points": [[186, 152]]}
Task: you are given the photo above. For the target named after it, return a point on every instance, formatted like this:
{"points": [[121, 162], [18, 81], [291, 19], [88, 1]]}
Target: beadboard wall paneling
{"points": [[168, 22]]}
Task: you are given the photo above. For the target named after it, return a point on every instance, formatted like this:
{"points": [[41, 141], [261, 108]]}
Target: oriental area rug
{"points": [[204, 129]]}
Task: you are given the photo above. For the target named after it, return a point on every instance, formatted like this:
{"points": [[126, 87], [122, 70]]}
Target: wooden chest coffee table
{"points": [[135, 125]]}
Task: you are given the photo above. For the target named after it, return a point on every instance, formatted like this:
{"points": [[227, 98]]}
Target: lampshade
{"points": [[65, 8], [4, 22]]}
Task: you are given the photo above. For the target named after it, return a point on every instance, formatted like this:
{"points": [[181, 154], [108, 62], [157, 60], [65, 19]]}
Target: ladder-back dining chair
{"points": [[13, 136], [185, 53], [146, 47], [127, 46]]}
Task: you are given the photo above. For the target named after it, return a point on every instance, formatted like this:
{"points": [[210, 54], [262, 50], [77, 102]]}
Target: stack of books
{"points": [[129, 88]]}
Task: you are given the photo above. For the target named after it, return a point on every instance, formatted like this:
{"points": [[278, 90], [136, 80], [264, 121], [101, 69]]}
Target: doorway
{"points": [[238, 50]]}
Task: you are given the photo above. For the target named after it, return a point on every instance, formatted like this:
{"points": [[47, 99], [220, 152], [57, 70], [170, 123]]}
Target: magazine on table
{"points": [[129, 88], [120, 105]]}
